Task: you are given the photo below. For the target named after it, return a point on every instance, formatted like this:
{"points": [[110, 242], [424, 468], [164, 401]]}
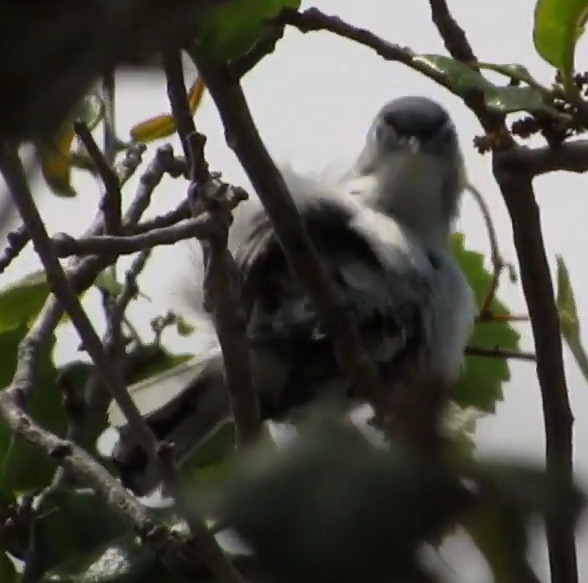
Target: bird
{"points": [[381, 230]]}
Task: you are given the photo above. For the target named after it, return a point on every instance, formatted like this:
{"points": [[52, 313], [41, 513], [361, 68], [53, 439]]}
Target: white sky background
{"points": [[313, 101]]}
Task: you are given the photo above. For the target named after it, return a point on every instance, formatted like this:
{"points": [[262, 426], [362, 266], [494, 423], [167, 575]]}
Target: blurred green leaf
{"points": [[463, 79], [481, 381], [164, 125], [22, 300], [557, 27], [231, 28], [107, 281], [123, 560], [569, 322], [329, 504], [22, 466], [73, 523], [8, 573], [501, 536], [530, 489], [212, 460], [510, 493]]}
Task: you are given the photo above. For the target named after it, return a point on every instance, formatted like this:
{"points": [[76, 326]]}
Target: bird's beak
{"points": [[412, 144]]}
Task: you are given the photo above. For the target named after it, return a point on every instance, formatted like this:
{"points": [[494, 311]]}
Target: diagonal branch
{"points": [[221, 281], [245, 141]]}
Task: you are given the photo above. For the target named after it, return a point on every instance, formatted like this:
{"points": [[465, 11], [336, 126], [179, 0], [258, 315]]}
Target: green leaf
{"points": [[107, 281], [463, 79], [73, 522], [557, 27], [569, 322], [509, 494], [21, 301], [530, 489], [480, 385], [284, 505], [124, 560], [8, 572], [22, 466], [212, 460], [230, 28]]}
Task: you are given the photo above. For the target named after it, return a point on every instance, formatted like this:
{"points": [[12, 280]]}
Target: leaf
{"points": [[558, 24], [107, 281], [8, 572], [569, 322], [55, 163], [162, 126], [229, 29], [22, 300], [463, 79], [22, 467], [480, 384], [73, 522], [284, 506]]}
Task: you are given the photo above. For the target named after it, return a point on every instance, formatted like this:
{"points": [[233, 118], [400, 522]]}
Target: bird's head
{"points": [[412, 166]]}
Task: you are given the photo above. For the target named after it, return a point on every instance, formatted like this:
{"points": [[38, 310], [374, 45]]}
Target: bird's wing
{"points": [[382, 275]]}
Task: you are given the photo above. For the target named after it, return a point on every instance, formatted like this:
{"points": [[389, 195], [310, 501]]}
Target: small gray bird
{"points": [[382, 233]]}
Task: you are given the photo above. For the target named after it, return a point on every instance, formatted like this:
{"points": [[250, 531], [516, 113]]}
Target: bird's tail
{"points": [[183, 406]]}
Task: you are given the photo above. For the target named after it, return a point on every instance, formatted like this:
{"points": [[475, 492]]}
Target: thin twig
{"points": [[244, 139], [498, 263], [63, 290], [200, 227], [179, 553], [501, 353], [519, 197], [111, 201], [221, 283], [17, 240]]}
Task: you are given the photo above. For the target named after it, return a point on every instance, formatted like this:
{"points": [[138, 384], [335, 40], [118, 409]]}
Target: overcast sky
{"points": [[313, 101]]}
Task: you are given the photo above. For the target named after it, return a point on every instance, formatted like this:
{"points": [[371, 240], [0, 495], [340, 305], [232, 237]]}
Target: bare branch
{"points": [[111, 201], [569, 156], [495, 254], [501, 353], [245, 141], [453, 35], [200, 227], [519, 196], [221, 284], [63, 290], [178, 552], [17, 240]]}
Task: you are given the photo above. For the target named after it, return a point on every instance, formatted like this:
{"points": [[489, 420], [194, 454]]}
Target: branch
{"points": [[498, 352], [221, 284], [111, 201], [519, 197], [569, 156], [200, 227], [265, 46], [245, 141], [64, 292], [454, 37], [17, 240], [495, 254], [178, 552]]}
